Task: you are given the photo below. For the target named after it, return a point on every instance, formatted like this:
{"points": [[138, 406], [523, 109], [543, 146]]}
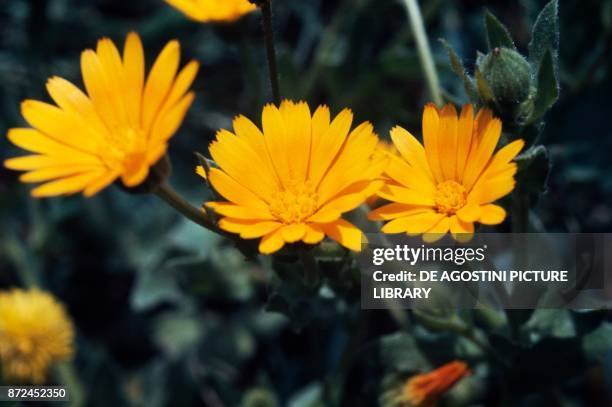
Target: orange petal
{"points": [[492, 214]]}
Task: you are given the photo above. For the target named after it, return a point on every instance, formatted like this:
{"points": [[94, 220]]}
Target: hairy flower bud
{"points": [[508, 75]]}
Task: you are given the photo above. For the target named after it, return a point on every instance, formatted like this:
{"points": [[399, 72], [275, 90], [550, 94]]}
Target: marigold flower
{"points": [[35, 333], [425, 389], [451, 182], [293, 181], [384, 149], [119, 129], [213, 10]]}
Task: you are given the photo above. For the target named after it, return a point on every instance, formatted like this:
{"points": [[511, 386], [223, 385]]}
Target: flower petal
{"points": [[492, 214], [447, 141], [272, 242], [314, 234], [461, 231], [233, 191], [394, 210], [437, 231], [431, 127], [470, 212], [294, 232], [415, 224], [345, 233]]}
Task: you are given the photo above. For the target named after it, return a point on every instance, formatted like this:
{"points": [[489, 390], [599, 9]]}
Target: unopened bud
{"points": [[508, 75]]}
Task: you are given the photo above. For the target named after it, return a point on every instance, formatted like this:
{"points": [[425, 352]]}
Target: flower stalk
{"points": [[268, 30], [424, 50], [172, 198]]}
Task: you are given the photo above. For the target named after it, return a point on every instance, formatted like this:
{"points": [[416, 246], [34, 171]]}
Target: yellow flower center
{"points": [[294, 204], [25, 346], [125, 147], [450, 196]]}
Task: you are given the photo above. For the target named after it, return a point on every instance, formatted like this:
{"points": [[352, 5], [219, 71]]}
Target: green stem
{"points": [[70, 379], [172, 198], [14, 250], [268, 29], [418, 29]]}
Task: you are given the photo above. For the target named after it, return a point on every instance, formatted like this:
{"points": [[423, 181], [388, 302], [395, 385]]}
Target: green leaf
{"points": [[459, 70], [400, 352], [533, 169], [259, 397], [548, 88], [545, 35], [154, 287], [597, 344], [497, 33], [176, 332]]}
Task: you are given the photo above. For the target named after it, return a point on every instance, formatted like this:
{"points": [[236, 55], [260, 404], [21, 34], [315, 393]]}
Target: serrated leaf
{"points": [[497, 34], [459, 70], [545, 35], [548, 88], [484, 90]]}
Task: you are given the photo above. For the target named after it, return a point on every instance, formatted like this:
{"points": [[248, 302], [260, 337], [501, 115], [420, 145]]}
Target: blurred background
{"points": [[169, 314]]}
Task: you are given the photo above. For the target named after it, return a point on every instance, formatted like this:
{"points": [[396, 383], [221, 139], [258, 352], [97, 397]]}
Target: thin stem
{"points": [[172, 198], [15, 251], [70, 378], [268, 29], [418, 29]]}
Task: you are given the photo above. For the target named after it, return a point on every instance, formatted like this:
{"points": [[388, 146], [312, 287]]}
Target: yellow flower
{"points": [[35, 333], [451, 182], [426, 388], [213, 10], [384, 149], [293, 181], [119, 129]]}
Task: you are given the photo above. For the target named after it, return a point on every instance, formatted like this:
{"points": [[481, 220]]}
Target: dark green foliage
{"points": [[497, 33]]}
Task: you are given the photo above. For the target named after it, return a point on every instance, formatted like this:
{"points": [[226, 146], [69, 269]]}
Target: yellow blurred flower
{"points": [[213, 10], [453, 180], [120, 128], [293, 181], [425, 389], [35, 333]]}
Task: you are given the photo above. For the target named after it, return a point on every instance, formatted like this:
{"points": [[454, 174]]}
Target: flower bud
{"points": [[509, 77]]}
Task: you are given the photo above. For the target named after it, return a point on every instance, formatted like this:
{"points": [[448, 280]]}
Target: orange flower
{"points": [[213, 10], [119, 129], [452, 180], [294, 179], [426, 388]]}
